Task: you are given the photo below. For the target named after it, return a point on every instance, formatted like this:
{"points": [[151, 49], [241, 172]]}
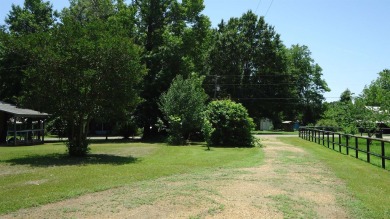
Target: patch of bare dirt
{"points": [[289, 184]]}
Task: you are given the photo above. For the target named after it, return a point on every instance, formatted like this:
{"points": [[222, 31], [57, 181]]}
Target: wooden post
{"points": [[339, 143], [383, 154], [43, 131], [14, 130], [357, 148], [347, 143], [368, 150], [327, 138], [333, 140]]}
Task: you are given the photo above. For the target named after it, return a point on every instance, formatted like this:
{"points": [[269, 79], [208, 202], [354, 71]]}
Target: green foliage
{"points": [[127, 128], [84, 69], [78, 147], [35, 16], [378, 92], [175, 37], [350, 115], [346, 96], [228, 124], [250, 63], [341, 115], [182, 106], [309, 86], [16, 44]]}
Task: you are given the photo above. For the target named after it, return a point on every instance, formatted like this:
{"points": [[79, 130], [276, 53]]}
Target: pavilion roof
{"points": [[20, 112]]}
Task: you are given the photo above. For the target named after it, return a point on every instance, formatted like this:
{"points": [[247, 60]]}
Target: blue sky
{"points": [[349, 39]]}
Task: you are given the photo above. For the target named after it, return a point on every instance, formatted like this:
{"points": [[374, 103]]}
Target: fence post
{"points": [[323, 137], [368, 150], [333, 140], [383, 154], [347, 144], [312, 135], [327, 138], [339, 142], [319, 137], [356, 147]]}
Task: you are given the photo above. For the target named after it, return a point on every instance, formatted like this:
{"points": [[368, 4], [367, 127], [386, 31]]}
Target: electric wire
{"points": [[268, 8], [258, 6]]}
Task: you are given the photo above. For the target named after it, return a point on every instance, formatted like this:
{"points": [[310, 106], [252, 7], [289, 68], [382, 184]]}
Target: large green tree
{"points": [[249, 65], [36, 16], [83, 68], [175, 37], [307, 87]]}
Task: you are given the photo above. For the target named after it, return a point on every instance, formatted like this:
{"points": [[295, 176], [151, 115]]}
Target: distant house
{"points": [[20, 126]]}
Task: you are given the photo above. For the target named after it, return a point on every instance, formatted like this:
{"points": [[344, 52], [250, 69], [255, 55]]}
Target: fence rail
{"points": [[373, 150]]}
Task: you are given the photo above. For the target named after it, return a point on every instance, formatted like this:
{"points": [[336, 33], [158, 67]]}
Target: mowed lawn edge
{"points": [[367, 183], [37, 175]]}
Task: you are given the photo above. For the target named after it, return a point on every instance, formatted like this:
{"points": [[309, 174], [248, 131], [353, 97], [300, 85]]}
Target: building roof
{"points": [[20, 112]]}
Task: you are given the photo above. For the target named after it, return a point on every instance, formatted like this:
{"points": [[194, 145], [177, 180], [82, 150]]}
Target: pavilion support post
{"points": [[43, 131], [14, 130]]}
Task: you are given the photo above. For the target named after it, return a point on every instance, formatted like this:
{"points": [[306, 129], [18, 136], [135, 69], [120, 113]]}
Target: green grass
{"points": [[274, 133], [36, 175], [293, 208], [367, 183], [374, 147]]}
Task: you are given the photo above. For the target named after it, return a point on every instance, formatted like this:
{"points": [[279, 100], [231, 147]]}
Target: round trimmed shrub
{"points": [[228, 124]]}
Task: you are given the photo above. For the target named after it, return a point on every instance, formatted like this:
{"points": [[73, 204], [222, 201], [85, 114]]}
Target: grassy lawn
{"points": [[274, 133], [36, 175], [374, 147], [368, 183]]}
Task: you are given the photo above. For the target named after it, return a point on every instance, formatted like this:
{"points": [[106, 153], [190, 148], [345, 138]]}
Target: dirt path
{"points": [[290, 184]]}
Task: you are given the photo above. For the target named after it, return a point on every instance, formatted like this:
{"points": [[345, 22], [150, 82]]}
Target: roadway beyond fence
{"points": [[372, 150]]}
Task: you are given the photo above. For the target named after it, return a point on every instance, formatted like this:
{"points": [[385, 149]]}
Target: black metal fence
{"points": [[373, 150]]}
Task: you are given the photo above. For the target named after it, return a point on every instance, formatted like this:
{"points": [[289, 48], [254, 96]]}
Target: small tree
{"points": [[228, 124], [182, 106]]}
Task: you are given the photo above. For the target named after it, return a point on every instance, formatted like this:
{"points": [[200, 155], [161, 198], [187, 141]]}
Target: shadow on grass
{"points": [[114, 141], [65, 160]]}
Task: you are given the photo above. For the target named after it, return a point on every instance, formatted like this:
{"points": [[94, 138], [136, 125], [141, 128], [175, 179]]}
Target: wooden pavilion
{"points": [[20, 126]]}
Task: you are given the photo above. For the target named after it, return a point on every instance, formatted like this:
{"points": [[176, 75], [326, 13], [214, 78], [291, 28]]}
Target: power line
{"points": [[258, 6], [268, 8]]}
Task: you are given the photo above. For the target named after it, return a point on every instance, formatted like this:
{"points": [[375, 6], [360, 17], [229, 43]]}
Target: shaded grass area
{"points": [[37, 175], [367, 183]]}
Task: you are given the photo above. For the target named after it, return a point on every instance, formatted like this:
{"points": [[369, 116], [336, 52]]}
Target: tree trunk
{"points": [[77, 138]]}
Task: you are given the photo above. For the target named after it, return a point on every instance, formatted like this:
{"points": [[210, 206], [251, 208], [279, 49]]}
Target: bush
{"points": [[127, 129], [228, 124], [182, 106]]}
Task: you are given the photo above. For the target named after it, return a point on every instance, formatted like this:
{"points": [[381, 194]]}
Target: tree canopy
{"points": [[250, 64], [83, 68], [111, 60]]}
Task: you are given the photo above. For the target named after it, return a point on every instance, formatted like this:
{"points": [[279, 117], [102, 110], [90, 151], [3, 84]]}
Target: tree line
{"points": [[112, 60], [368, 112]]}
